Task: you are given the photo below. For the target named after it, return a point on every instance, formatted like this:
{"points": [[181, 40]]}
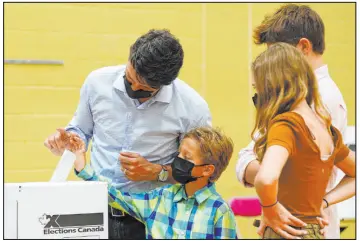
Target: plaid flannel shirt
{"points": [[168, 213]]}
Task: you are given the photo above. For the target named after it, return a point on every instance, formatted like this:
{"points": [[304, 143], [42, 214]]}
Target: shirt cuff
{"points": [[246, 184], [86, 174], [241, 167]]}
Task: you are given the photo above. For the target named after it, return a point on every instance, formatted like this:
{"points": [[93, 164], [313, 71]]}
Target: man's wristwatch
{"points": [[163, 175]]}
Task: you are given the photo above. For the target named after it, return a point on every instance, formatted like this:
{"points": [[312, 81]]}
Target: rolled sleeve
{"points": [[82, 122], [245, 156], [86, 174]]}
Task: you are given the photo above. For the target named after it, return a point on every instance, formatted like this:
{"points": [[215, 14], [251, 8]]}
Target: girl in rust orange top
{"points": [[296, 145]]}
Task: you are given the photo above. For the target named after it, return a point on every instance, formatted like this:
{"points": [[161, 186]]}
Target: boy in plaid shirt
{"points": [[191, 209]]}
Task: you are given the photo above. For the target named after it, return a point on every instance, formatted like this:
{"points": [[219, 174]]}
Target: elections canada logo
{"points": [[72, 223]]}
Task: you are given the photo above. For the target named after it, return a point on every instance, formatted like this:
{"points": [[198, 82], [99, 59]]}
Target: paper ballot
{"points": [[64, 167]]}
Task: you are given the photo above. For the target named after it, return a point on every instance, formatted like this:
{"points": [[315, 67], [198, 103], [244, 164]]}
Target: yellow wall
{"points": [[218, 50]]}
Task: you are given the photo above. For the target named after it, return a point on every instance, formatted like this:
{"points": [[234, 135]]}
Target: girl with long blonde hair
{"points": [[296, 144]]}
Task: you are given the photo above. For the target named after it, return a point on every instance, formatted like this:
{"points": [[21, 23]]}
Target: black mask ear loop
{"points": [[255, 99], [201, 165]]}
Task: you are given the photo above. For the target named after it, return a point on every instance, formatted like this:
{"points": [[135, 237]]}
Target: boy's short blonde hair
{"points": [[215, 148]]}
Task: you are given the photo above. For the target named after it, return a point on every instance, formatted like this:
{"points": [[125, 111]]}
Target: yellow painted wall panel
{"points": [[28, 100], [72, 74], [34, 128], [53, 45], [191, 72], [76, 18], [28, 176], [32, 75], [188, 7], [227, 88], [28, 156]]}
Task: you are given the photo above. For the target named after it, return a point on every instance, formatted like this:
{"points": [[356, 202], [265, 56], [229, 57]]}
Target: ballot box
{"points": [[56, 210]]}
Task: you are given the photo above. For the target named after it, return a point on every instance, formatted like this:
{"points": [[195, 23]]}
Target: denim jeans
{"points": [[125, 227]]}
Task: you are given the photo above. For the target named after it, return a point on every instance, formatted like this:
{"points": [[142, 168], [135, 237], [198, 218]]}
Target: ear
{"points": [[208, 170], [304, 46]]}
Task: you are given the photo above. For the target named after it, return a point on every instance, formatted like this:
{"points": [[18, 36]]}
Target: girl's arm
{"points": [[346, 188], [275, 215], [266, 181]]}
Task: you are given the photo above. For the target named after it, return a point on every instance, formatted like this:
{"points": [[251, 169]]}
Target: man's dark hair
{"points": [[289, 24], [157, 57]]}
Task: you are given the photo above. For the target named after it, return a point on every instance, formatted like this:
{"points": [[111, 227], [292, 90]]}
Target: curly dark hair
{"points": [[157, 57]]}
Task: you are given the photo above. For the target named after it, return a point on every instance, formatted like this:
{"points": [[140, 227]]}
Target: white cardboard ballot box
{"points": [[56, 210]]}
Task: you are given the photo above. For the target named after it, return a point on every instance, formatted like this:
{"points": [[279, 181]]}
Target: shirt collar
{"points": [[180, 194], [322, 72], [200, 195], [119, 82], [164, 94]]}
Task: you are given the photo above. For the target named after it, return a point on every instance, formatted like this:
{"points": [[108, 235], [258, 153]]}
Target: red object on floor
{"points": [[245, 206]]}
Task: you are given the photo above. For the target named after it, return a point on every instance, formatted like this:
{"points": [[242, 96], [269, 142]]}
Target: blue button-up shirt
{"points": [[115, 123]]}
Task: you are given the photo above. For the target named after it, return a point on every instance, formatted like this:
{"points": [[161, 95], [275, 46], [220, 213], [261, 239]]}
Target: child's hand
{"points": [[77, 146], [70, 141]]}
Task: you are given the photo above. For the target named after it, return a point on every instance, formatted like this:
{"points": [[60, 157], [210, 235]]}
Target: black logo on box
{"points": [[72, 223]]}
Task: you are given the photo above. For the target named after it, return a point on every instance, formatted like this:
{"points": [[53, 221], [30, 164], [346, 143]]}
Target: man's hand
{"points": [[137, 168], [280, 219], [56, 142]]}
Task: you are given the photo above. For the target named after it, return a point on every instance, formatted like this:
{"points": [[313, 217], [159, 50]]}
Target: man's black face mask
{"points": [[136, 94]]}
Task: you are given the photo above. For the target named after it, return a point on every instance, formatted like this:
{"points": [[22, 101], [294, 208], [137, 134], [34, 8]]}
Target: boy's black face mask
{"points": [[136, 94], [181, 170]]}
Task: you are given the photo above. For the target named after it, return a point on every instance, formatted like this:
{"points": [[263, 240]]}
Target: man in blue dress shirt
{"points": [[135, 115]]}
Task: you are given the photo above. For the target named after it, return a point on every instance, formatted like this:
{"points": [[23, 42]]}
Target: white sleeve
{"points": [[246, 155], [335, 104], [338, 113]]}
